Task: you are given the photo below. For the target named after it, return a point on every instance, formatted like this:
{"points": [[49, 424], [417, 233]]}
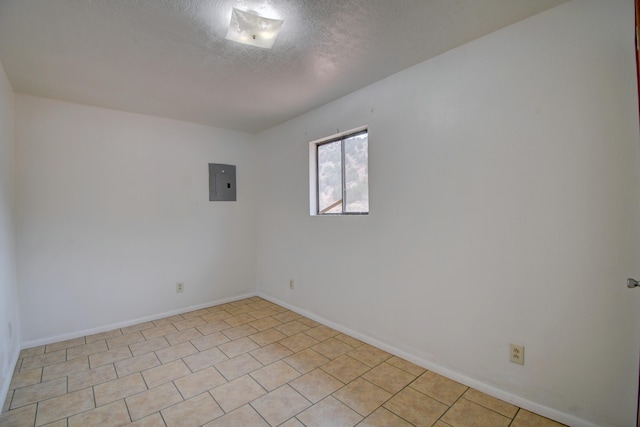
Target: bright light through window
{"points": [[342, 175]]}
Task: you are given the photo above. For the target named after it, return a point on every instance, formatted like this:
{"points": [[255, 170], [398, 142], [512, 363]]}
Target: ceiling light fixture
{"points": [[252, 29]]}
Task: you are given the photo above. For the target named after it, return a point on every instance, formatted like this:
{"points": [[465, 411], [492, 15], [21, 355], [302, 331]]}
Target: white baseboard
{"points": [[521, 402], [62, 337]]}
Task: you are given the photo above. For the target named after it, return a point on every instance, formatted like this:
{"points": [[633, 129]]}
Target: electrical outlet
{"points": [[10, 330], [291, 286], [180, 287], [516, 354]]}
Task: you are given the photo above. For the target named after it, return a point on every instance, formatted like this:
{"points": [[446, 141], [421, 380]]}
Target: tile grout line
{"points": [[514, 417], [452, 405], [404, 388], [35, 417], [128, 410]]}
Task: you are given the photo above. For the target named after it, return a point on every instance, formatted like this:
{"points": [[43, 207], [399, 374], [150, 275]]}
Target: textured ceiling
{"points": [[169, 58]]}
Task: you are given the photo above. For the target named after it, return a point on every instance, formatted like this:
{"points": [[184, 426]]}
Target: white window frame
{"points": [[313, 171]]}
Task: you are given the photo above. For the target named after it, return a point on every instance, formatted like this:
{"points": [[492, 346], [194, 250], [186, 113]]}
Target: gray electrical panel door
{"points": [[222, 183]]}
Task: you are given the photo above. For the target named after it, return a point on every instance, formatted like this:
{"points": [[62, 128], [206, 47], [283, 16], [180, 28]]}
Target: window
{"points": [[341, 174]]}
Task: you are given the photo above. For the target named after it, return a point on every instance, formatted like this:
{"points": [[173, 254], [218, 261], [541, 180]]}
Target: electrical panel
{"points": [[222, 183]]}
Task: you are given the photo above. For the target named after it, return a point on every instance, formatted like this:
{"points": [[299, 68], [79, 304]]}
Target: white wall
{"points": [[503, 192], [9, 339], [113, 212]]}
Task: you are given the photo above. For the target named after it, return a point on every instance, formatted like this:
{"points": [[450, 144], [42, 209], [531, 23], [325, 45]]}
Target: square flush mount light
{"points": [[253, 29]]}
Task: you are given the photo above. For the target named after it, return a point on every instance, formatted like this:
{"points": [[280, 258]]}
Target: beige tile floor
{"points": [[246, 363]]}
